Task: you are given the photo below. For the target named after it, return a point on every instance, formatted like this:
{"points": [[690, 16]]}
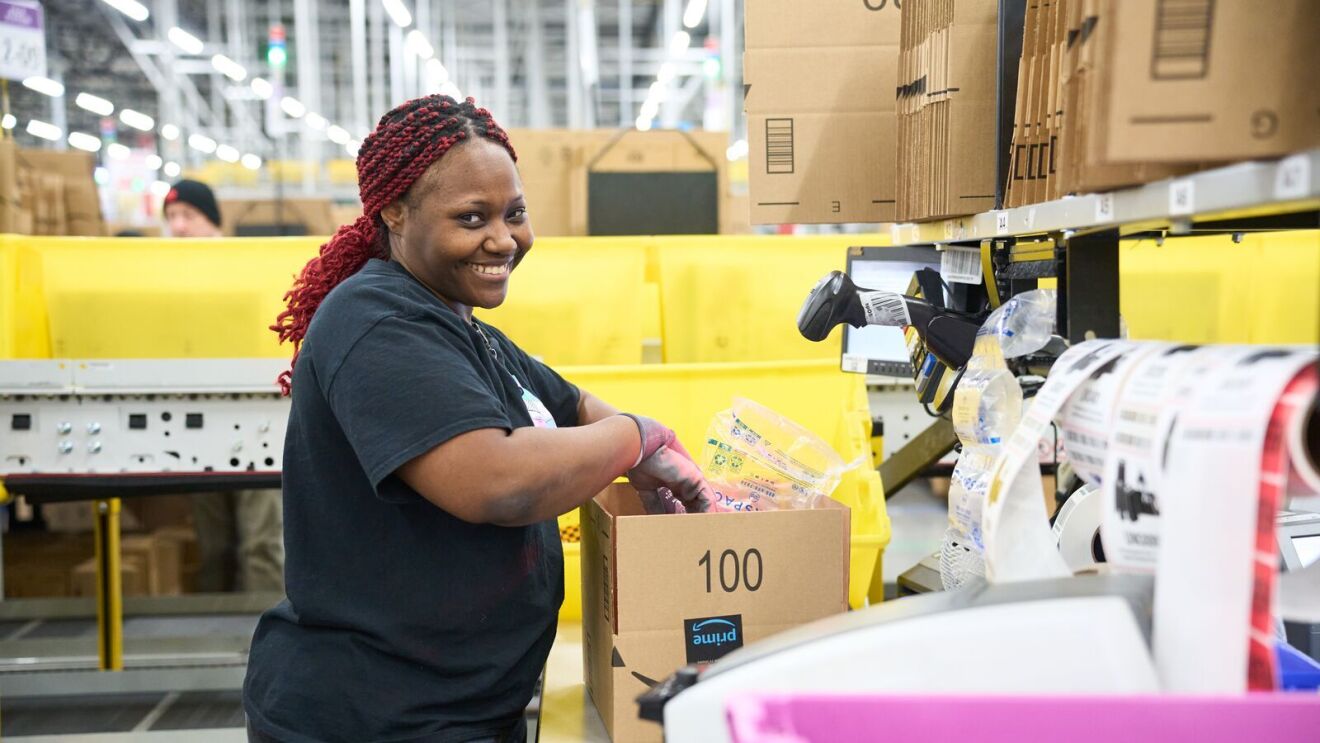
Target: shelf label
{"points": [[1031, 218], [854, 363], [1293, 178], [1104, 208], [1001, 223], [1182, 196], [961, 265], [22, 40]]}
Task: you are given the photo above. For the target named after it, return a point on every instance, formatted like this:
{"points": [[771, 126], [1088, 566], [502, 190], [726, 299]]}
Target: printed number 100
{"points": [[734, 571]]}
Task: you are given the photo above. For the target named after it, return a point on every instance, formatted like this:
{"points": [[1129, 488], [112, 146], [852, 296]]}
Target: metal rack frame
{"points": [[1081, 236]]}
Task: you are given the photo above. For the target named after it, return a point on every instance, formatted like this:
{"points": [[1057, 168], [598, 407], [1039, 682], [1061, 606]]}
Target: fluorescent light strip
{"points": [[131, 8], [416, 41], [227, 153], [185, 41], [44, 130], [229, 68], [262, 88], [44, 86], [293, 107], [398, 12], [137, 120], [696, 10], [251, 161], [201, 143], [338, 134], [84, 142], [118, 151], [94, 103]]}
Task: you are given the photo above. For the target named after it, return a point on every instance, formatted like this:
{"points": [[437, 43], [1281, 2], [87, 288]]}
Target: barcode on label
{"points": [[1182, 196], [1001, 223], [961, 265], [885, 308]]}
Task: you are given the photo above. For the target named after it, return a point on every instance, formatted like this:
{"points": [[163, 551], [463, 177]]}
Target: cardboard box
{"points": [[1213, 79], [817, 81], [1081, 153], [72, 204], [268, 217], [555, 163], [643, 153], [132, 575], [649, 582], [947, 108]]}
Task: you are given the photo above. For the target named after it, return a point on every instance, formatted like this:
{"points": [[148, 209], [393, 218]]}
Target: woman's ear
{"points": [[394, 216]]}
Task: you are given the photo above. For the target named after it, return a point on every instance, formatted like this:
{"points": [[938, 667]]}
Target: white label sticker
{"points": [[885, 308], [961, 265], [1293, 178], [948, 229], [854, 363], [1001, 223], [1031, 218], [1182, 196], [1104, 208]]}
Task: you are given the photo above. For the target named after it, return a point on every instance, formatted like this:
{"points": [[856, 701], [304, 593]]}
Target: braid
{"points": [[406, 141]]}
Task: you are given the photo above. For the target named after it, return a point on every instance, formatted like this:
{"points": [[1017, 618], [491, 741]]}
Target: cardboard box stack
{"points": [[947, 108], [820, 117], [555, 165], [661, 592], [57, 189], [1114, 94]]}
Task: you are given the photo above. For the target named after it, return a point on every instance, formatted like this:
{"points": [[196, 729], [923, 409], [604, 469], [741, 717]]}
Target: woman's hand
{"points": [[670, 471]]}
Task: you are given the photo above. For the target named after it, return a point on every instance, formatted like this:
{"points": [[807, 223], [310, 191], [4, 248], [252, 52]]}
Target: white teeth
{"points": [[499, 270]]}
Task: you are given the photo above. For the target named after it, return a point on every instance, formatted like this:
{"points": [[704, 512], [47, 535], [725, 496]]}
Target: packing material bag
{"points": [[757, 460]]}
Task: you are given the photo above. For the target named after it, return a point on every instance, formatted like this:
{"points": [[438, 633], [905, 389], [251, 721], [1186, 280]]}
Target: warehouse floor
{"points": [[917, 516]]}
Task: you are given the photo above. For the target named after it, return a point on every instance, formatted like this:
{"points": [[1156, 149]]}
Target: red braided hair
{"points": [[406, 141]]}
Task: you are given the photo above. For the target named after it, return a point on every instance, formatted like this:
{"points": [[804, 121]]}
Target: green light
{"points": [[276, 56], [711, 67]]}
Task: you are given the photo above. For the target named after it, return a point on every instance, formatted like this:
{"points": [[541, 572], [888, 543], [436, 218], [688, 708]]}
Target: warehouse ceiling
{"points": [[89, 51]]}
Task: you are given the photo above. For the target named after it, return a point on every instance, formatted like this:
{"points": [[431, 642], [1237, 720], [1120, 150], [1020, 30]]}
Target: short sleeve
{"points": [[404, 387], [559, 396]]}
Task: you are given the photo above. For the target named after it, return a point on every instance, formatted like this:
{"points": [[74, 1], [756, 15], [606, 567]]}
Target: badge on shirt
{"points": [[541, 417]]}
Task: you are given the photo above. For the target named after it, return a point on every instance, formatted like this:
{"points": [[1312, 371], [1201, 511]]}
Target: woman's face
{"points": [[463, 227]]}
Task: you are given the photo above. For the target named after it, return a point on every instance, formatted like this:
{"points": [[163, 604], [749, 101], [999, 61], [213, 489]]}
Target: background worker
{"points": [[240, 537]]}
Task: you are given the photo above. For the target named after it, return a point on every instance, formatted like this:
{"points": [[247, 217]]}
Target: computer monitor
{"points": [[1298, 533], [878, 350]]}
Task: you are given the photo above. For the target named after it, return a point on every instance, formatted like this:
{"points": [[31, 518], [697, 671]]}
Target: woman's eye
{"points": [[518, 213], [470, 218]]}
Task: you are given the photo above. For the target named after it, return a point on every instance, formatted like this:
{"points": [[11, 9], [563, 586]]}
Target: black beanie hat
{"points": [[197, 194]]}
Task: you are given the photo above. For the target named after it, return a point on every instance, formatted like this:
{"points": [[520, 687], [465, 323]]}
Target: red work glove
{"points": [[668, 478], [654, 435]]}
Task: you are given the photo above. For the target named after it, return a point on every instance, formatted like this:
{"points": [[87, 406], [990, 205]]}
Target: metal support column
{"points": [[215, 40], [357, 30], [538, 95], [380, 77], [730, 65], [109, 586], [672, 21], [397, 94], [503, 74], [627, 111], [573, 66], [1088, 287], [306, 39]]}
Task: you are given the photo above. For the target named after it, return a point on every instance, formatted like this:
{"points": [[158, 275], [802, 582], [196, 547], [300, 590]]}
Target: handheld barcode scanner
{"points": [[836, 299]]}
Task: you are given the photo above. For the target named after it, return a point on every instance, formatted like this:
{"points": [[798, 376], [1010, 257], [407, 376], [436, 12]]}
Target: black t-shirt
{"points": [[402, 622]]}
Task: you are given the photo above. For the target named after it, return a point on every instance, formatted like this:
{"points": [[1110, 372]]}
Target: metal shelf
{"points": [[1239, 191]]}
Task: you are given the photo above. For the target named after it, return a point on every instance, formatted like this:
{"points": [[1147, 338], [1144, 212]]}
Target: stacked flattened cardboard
{"points": [[1116, 94], [43, 192], [947, 108], [820, 120]]}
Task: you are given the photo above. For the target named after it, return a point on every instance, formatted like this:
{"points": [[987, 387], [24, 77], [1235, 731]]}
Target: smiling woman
{"points": [[427, 457]]}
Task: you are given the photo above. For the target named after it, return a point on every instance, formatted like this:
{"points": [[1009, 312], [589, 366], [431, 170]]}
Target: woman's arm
{"points": [[492, 476], [592, 409]]}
